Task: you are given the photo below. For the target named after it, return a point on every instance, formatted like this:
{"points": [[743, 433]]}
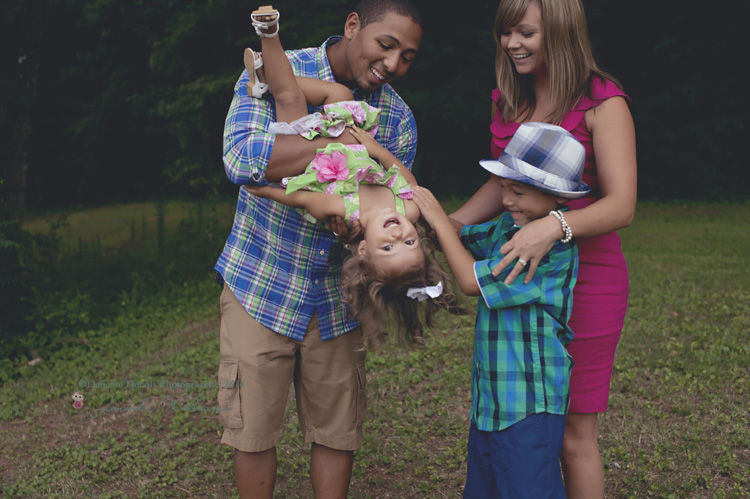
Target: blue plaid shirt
{"points": [[520, 366], [280, 267]]}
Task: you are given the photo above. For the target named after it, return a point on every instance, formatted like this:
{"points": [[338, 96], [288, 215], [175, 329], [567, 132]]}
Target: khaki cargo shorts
{"points": [[258, 366]]}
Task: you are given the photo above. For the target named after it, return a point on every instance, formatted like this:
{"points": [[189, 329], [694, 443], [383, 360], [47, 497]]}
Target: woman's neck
{"points": [[541, 89], [543, 107]]}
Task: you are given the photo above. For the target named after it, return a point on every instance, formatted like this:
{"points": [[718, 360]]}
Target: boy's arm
{"points": [[459, 260], [317, 204]]}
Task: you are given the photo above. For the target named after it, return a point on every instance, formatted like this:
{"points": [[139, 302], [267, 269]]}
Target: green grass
{"points": [[678, 424], [119, 225]]}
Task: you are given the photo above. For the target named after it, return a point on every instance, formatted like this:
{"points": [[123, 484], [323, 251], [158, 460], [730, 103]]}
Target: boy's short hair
{"points": [[372, 11]]}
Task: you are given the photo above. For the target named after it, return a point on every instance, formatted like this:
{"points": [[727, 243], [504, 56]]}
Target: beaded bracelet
{"points": [[565, 227]]}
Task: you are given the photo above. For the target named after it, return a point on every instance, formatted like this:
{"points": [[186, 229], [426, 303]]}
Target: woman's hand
{"points": [[529, 245]]}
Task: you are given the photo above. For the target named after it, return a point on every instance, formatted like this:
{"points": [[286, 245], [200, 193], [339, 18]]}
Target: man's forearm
{"points": [[292, 153]]}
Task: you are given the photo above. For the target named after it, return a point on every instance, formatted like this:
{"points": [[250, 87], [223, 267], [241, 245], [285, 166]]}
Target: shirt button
{"points": [[322, 252]]}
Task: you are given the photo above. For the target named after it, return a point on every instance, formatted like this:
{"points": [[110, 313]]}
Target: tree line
{"points": [[103, 100]]}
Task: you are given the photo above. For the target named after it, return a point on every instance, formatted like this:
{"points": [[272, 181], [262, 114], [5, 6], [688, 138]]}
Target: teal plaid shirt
{"points": [[280, 267], [520, 366]]}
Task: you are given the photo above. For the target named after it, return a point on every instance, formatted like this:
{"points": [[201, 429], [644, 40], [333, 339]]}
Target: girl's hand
{"points": [[264, 191], [529, 244], [374, 149]]}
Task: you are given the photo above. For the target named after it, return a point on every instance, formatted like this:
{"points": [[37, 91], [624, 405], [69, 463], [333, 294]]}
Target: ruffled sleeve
{"points": [[601, 90], [501, 130]]}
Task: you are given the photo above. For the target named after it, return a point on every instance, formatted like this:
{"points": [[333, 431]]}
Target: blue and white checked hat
{"points": [[545, 156]]}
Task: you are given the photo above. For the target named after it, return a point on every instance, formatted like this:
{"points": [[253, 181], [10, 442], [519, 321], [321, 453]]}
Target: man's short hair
{"points": [[372, 11]]}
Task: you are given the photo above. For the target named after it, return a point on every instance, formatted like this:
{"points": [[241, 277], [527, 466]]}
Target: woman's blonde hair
{"points": [[567, 55], [372, 294]]}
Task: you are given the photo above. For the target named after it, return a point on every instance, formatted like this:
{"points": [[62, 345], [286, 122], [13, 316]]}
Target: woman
{"points": [[546, 72]]}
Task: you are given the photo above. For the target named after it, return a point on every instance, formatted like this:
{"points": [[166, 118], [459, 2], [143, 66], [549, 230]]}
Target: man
{"points": [[282, 320]]}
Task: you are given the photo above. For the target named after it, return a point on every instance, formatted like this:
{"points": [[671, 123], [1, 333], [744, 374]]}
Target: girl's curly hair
{"points": [[372, 294]]}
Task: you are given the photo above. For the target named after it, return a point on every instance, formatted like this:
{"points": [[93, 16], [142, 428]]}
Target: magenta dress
{"points": [[600, 297]]}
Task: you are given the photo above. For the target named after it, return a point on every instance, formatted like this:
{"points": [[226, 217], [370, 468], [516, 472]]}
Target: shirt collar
{"points": [[325, 72]]}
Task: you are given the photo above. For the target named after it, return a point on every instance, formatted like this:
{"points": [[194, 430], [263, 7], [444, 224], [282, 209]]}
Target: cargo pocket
{"points": [[230, 411], [361, 394]]}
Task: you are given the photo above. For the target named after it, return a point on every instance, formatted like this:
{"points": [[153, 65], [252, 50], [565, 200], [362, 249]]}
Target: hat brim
{"points": [[502, 170]]}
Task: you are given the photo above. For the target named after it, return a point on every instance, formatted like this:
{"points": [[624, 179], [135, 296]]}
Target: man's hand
{"points": [[338, 226]]}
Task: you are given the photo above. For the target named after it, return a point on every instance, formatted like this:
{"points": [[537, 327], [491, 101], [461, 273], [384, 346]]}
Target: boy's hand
{"points": [[430, 207]]}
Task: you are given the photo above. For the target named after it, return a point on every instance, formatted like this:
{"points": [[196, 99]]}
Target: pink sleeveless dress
{"points": [[600, 297]]}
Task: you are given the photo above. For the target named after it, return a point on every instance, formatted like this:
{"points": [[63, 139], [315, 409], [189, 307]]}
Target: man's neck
{"points": [[336, 54]]}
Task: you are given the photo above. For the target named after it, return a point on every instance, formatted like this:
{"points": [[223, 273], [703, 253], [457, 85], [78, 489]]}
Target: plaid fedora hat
{"points": [[545, 156]]}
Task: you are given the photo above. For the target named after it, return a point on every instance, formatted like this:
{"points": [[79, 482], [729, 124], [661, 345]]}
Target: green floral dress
{"points": [[339, 169]]}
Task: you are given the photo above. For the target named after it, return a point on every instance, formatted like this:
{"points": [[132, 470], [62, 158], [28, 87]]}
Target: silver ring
{"points": [[336, 234], [522, 262]]}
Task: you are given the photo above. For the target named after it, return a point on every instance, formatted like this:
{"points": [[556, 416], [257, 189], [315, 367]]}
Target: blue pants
{"points": [[522, 461]]}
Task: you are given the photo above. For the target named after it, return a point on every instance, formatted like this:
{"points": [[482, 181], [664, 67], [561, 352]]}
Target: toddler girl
{"points": [[392, 268]]}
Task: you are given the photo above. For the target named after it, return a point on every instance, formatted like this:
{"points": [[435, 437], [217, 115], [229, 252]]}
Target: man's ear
{"points": [[361, 250], [352, 26]]}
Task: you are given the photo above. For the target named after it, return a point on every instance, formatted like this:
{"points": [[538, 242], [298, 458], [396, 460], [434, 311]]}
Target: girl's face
{"points": [[525, 203], [391, 242], [524, 42]]}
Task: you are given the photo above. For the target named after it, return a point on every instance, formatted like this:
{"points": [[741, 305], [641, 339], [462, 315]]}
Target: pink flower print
{"points": [[362, 173], [406, 193], [358, 114], [331, 167], [374, 176], [392, 181], [336, 129], [331, 187]]}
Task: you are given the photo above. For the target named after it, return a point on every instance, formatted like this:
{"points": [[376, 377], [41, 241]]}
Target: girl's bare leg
{"points": [[290, 100], [319, 92]]}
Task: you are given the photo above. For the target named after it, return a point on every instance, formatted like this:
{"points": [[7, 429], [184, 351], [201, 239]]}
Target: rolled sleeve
{"points": [[406, 133], [497, 294], [247, 145]]}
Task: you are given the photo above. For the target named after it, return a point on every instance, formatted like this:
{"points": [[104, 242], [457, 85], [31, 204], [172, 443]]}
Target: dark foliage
{"points": [[131, 97]]}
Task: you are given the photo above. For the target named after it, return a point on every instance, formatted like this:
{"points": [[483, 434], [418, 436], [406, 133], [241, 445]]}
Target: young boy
{"points": [[521, 369]]}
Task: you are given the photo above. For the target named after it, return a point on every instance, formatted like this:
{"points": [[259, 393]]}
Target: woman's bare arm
{"points": [[611, 126]]}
